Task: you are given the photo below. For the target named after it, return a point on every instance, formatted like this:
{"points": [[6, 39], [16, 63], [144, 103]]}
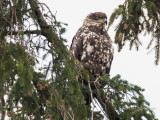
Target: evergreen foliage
{"points": [[138, 16], [39, 78]]}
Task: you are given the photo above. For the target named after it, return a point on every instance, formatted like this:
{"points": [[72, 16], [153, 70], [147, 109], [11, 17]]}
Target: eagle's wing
{"points": [[110, 53], [77, 45]]}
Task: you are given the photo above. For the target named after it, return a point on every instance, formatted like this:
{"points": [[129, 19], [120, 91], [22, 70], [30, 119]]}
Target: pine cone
{"points": [[125, 27], [30, 94], [46, 86], [42, 88], [124, 90], [120, 36], [50, 119], [43, 96], [9, 113], [132, 26], [39, 85]]}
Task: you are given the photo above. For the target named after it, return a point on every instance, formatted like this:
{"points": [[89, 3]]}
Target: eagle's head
{"points": [[96, 18]]}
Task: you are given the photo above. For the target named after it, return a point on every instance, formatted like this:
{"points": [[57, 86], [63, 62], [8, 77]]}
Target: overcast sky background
{"points": [[136, 67]]}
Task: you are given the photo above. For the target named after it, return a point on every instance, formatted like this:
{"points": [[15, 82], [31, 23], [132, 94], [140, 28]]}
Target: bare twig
{"points": [[91, 94]]}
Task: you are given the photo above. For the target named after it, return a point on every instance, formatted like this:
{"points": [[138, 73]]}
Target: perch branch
{"points": [[101, 97]]}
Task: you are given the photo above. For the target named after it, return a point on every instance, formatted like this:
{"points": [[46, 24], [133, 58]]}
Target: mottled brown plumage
{"points": [[92, 45]]}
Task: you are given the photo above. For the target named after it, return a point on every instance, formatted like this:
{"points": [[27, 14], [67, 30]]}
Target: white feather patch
{"points": [[89, 48], [83, 55]]}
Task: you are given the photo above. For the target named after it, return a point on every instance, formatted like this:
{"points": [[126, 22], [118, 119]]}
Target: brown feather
{"points": [[92, 45]]}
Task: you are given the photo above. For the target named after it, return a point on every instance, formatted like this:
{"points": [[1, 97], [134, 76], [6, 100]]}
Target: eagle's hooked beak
{"points": [[105, 21]]}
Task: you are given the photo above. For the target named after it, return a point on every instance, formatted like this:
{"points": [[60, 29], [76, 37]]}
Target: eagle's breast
{"points": [[92, 45], [97, 50]]}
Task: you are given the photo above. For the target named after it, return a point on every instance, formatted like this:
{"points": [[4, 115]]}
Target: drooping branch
{"points": [[46, 29], [137, 17]]}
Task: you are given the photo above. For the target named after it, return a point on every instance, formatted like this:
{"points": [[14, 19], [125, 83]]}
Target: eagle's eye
{"points": [[101, 20]]}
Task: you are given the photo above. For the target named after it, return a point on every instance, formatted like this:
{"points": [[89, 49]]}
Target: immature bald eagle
{"points": [[92, 45]]}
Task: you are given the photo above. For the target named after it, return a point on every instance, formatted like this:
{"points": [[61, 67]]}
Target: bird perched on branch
{"points": [[92, 45]]}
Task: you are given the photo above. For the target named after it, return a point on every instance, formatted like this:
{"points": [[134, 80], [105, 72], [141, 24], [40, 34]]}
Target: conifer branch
{"points": [[38, 32], [46, 29], [107, 106]]}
